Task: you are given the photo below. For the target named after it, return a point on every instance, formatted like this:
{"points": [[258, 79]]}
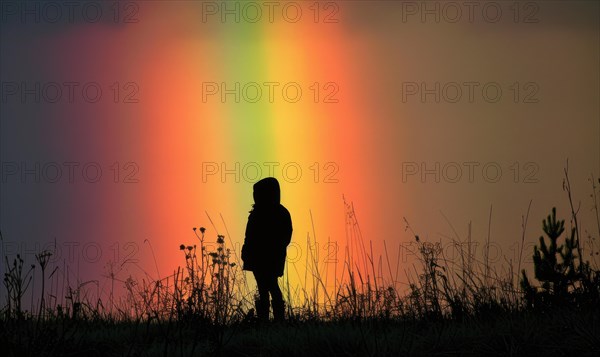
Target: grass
{"points": [[461, 306], [568, 331]]}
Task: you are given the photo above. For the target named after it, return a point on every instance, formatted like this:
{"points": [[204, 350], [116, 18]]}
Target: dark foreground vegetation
{"points": [[563, 332], [461, 306]]}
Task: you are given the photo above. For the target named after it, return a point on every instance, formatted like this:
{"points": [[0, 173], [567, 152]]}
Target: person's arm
{"points": [[248, 238], [287, 227]]}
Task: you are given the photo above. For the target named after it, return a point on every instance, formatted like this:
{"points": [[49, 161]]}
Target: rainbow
{"points": [[194, 111], [207, 134]]}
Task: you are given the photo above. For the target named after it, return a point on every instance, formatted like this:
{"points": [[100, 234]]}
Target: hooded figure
{"points": [[268, 233]]}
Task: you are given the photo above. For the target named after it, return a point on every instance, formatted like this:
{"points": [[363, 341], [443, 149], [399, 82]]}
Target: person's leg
{"points": [[277, 296], [262, 304]]}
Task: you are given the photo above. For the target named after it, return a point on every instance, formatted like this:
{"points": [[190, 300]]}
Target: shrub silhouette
{"points": [[564, 276]]}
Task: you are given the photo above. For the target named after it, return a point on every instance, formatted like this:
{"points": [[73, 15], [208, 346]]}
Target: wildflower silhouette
{"points": [[205, 289], [268, 233]]}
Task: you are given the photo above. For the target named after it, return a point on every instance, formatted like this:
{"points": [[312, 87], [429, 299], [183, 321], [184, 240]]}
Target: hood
{"points": [[267, 192]]}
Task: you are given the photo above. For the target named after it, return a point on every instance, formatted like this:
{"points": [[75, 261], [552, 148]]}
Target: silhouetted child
{"points": [[268, 233]]}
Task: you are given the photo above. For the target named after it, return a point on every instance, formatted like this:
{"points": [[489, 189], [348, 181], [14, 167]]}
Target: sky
{"points": [[124, 125]]}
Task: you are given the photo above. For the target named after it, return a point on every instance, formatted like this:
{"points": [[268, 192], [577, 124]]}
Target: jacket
{"points": [[268, 231]]}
